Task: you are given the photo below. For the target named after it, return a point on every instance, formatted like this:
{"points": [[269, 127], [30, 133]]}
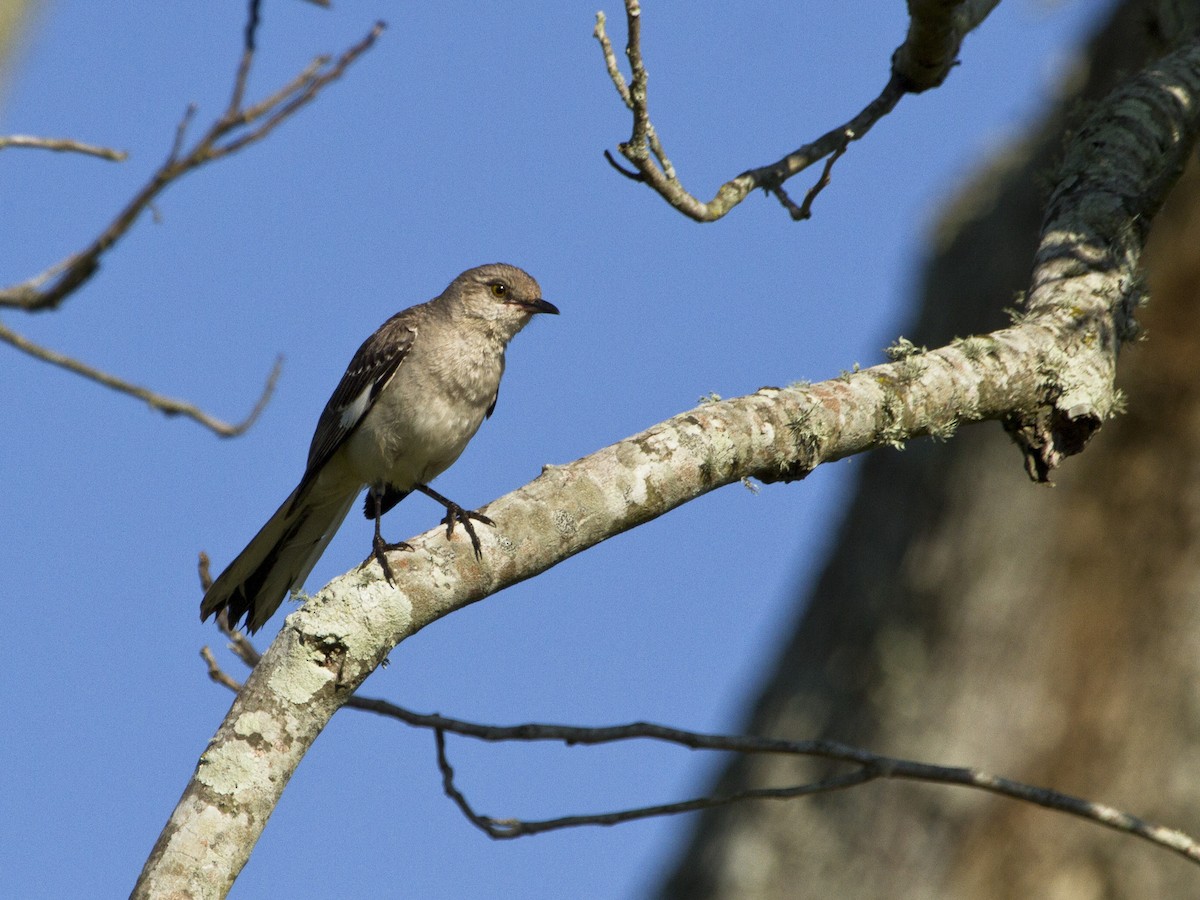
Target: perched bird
{"points": [[414, 394]]}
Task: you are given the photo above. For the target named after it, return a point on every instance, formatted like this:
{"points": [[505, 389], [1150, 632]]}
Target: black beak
{"points": [[538, 306]]}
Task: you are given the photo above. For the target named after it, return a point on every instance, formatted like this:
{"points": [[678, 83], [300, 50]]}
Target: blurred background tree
{"points": [[1051, 634]]}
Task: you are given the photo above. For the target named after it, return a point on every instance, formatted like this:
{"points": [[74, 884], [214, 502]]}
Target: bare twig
{"points": [[235, 128], [238, 642], [929, 51], [61, 145], [868, 766], [167, 405], [507, 829], [804, 210], [632, 176], [216, 673], [203, 569], [250, 37]]}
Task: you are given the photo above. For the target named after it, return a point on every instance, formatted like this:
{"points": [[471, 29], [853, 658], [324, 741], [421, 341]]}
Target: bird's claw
{"points": [[379, 550], [456, 514]]}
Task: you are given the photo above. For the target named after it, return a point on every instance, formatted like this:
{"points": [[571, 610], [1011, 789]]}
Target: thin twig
{"points": [[929, 52], [804, 211], [600, 33], [251, 32], [249, 45], [216, 673], [181, 133], [235, 128], [166, 405], [868, 766], [238, 642], [203, 569], [632, 176], [507, 829], [48, 289], [61, 145]]}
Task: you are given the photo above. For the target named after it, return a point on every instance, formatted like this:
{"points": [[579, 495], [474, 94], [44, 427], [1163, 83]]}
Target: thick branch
{"points": [[1051, 373]]}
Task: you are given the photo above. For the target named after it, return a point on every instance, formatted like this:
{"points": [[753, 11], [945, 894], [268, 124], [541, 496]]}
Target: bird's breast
{"points": [[423, 420]]}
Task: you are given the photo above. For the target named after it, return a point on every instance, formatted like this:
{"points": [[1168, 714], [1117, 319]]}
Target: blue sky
{"points": [[472, 133]]}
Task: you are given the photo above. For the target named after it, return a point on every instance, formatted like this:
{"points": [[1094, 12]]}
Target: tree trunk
{"points": [[970, 617]]}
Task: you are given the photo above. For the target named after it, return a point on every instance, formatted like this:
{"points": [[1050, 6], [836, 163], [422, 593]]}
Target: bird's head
{"points": [[497, 293]]}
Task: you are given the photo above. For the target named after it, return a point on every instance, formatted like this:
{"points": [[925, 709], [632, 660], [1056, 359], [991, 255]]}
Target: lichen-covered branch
{"points": [[930, 50], [1086, 284], [1049, 376], [936, 29]]}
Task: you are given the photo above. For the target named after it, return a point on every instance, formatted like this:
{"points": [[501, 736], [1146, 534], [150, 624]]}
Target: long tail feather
{"points": [[279, 558]]}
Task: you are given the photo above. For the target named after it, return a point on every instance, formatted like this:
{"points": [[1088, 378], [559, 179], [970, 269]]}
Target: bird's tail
{"points": [[279, 557]]}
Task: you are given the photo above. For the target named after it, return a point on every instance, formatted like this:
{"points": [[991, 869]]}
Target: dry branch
{"points": [[867, 767], [236, 127], [929, 52], [169, 406], [61, 145]]}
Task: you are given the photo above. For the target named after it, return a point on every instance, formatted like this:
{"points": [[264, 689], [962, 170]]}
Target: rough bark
{"points": [[968, 617]]}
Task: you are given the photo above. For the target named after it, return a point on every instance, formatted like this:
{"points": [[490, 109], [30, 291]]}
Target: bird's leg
{"points": [[379, 547], [455, 513]]}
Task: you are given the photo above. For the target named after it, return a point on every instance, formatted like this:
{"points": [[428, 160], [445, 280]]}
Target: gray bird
{"points": [[412, 398]]}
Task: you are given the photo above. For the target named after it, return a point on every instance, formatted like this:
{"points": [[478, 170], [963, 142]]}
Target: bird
{"points": [[412, 397]]}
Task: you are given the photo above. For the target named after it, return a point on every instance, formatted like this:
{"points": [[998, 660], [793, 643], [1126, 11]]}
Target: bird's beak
{"points": [[537, 306]]}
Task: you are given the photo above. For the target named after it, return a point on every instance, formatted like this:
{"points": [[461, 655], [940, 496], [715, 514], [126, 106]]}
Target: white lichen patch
{"points": [[300, 676], [357, 609], [258, 723], [233, 770], [194, 840]]}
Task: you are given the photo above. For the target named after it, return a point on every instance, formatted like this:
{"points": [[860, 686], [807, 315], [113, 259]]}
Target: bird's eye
{"points": [[499, 289]]}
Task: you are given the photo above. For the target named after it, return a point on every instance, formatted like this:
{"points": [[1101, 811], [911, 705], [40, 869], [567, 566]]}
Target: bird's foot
{"points": [[455, 514], [379, 550]]}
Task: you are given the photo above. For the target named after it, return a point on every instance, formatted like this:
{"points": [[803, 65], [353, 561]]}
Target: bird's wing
{"points": [[371, 368]]}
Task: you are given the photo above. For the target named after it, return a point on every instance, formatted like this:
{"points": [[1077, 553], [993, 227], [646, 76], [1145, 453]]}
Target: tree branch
{"points": [[936, 29], [234, 129], [61, 145], [168, 406], [868, 767], [1050, 376], [929, 52]]}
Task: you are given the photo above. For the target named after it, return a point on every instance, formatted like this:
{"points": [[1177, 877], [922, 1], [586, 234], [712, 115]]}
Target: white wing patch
{"points": [[356, 408]]}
